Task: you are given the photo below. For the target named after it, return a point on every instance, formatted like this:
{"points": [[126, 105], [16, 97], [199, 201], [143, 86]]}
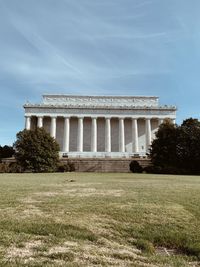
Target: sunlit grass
{"points": [[88, 219]]}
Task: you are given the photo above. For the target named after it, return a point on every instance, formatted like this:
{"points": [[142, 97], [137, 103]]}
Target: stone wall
{"points": [[104, 165], [98, 165]]}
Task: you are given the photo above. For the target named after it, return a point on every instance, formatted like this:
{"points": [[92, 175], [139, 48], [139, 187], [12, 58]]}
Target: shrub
{"points": [[152, 169], [4, 167], [135, 167], [165, 170], [14, 167], [66, 167], [11, 167]]}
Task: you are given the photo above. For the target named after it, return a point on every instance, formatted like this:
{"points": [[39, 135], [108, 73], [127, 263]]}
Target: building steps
{"points": [[104, 165]]}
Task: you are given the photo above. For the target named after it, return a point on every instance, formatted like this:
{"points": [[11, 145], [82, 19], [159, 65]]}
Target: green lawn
{"points": [[88, 219]]}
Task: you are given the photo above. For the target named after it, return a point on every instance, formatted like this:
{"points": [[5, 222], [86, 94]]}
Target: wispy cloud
{"points": [[108, 46]]}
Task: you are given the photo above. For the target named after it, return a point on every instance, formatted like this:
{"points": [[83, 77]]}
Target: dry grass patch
{"points": [[81, 192], [26, 251], [31, 211], [29, 200], [99, 220]]}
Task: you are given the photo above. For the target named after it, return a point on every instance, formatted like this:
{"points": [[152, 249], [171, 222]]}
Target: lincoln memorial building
{"points": [[99, 126]]}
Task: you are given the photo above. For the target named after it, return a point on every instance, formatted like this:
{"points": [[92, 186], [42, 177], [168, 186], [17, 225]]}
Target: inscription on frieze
{"points": [[96, 101]]}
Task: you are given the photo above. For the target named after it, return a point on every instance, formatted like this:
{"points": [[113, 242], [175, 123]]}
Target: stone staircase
{"points": [[104, 165]]}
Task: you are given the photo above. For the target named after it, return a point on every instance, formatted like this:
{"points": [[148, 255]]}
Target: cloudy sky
{"points": [[119, 47]]}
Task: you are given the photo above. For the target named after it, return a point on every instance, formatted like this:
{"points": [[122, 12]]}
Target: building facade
{"points": [[99, 126]]}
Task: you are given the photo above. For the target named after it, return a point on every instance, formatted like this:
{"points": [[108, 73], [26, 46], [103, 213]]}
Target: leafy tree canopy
{"points": [[36, 151], [163, 149], [188, 145], [177, 146], [6, 151]]}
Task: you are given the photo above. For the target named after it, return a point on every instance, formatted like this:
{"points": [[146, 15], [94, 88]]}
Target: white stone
{"points": [[80, 135], [94, 135], [27, 122], [40, 122], [53, 127], [107, 136], [121, 136], [114, 101], [99, 126], [135, 148], [66, 135], [148, 134]]}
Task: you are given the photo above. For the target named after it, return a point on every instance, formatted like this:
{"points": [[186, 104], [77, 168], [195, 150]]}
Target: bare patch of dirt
{"points": [[166, 252]]}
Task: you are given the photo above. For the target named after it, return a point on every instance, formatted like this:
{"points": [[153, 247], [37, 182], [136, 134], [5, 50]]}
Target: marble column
{"points": [[135, 145], [27, 122], [108, 135], [94, 135], [53, 127], [80, 135], [121, 135], [148, 134], [40, 122], [66, 134]]}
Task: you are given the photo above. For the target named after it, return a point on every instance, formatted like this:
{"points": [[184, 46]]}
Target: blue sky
{"points": [[130, 47]]}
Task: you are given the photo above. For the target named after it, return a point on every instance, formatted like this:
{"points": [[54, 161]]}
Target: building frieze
{"points": [[84, 106], [99, 101], [74, 111]]}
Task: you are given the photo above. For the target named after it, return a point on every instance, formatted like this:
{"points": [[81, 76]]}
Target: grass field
{"points": [[87, 219]]}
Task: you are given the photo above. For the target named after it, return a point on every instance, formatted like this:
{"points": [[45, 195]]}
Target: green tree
{"points": [[6, 151], [188, 146], [176, 149], [163, 148], [36, 151]]}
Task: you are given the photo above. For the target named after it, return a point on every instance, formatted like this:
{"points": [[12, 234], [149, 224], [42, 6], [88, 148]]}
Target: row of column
{"points": [[66, 135]]}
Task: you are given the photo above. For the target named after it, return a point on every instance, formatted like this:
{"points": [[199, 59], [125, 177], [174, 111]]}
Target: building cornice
{"points": [[99, 96], [99, 104], [43, 106]]}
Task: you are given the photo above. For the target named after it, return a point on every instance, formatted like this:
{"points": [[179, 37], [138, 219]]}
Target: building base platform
{"points": [[99, 155], [104, 164]]}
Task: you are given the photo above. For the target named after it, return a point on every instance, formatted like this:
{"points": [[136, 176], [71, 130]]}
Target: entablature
{"points": [[99, 112]]}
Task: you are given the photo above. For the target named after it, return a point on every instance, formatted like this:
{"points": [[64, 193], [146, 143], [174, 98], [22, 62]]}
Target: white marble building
{"points": [[99, 126]]}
